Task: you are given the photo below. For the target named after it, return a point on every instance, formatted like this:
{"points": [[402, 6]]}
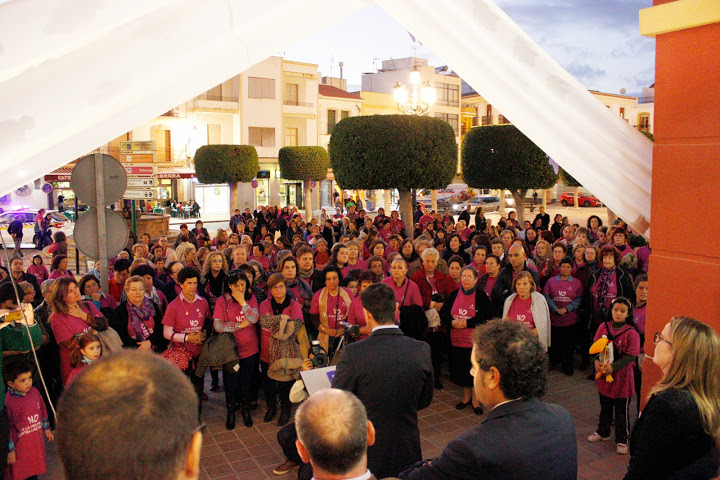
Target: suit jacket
{"points": [[392, 375], [520, 440]]}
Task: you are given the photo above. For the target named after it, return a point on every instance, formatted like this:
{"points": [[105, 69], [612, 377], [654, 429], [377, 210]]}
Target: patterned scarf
{"points": [[305, 274], [604, 284], [305, 291], [138, 319]]}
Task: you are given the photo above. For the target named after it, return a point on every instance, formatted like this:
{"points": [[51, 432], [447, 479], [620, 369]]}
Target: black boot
{"points": [[270, 414], [245, 411], [232, 405], [284, 416]]}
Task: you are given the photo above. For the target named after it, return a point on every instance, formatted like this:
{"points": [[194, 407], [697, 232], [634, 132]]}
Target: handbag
{"points": [[218, 350], [413, 321], [178, 355], [110, 342]]}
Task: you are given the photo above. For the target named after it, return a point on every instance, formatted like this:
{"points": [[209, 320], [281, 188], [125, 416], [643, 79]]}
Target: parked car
{"points": [[27, 217], [584, 200], [490, 203]]}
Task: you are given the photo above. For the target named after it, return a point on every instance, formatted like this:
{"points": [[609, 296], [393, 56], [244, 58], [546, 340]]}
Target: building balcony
{"points": [[215, 101], [644, 128], [486, 120]]}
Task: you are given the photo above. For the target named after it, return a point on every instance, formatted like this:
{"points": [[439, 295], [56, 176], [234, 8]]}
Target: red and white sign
{"points": [[139, 170], [254, 183]]}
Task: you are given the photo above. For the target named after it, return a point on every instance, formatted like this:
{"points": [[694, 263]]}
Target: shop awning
{"points": [[175, 172], [62, 174]]}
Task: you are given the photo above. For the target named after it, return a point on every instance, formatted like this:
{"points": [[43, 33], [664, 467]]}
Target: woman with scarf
{"points": [[300, 290], [330, 306], [281, 355], [214, 277], [90, 289], [306, 268], [137, 319], [148, 275], [462, 311], [542, 252], [236, 312]]}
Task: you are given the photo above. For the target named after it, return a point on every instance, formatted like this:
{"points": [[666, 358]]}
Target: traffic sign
{"points": [[85, 234], [145, 146], [313, 184], [142, 182], [137, 157], [138, 170], [254, 183], [139, 194], [84, 180]]}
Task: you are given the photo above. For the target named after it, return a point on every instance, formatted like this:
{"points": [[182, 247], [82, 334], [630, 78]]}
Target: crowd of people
{"points": [[249, 299]]}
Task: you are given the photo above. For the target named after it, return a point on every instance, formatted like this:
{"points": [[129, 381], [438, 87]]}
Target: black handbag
{"points": [[413, 321]]}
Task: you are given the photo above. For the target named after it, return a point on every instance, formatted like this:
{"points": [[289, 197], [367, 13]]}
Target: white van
{"points": [[446, 197]]}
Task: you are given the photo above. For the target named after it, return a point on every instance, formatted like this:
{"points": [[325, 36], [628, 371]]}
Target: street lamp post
{"points": [[420, 100]]}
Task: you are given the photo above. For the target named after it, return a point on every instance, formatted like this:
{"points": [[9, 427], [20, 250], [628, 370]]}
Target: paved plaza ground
{"points": [[252, 453]]}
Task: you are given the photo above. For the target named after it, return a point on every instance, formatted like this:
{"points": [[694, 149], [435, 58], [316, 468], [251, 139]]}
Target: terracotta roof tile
{"points": [[330, 91]]}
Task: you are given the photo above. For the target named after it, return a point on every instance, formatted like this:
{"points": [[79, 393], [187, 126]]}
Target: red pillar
{"points": [[685, 265]]}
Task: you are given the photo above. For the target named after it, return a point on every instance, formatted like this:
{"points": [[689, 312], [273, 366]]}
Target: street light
{"points": [[417, 103]]}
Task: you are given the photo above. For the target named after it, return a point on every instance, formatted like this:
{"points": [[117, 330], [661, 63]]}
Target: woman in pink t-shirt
{"points": [[462, 311], [529, 307], [356, 316]]}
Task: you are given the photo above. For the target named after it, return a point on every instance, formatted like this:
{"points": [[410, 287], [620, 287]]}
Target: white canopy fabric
{"points": [[78, 73]]}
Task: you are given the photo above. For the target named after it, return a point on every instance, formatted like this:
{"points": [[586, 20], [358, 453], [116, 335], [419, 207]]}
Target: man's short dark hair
{"points": [[379, 300], [516, 353], [121, 264], [188, 272], [132, 415], [332, 425], [143, 270]]}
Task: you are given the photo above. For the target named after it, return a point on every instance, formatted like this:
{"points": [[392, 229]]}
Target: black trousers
{"points": [[562, 346], [438, 342], [286, 437], [238, 384], [274, 389], [618, 406], [197, 383]]}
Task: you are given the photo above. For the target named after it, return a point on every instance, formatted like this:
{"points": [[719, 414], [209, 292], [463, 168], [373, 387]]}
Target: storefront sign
{"points": [[130, 147], [145, 171], [137, 157]]}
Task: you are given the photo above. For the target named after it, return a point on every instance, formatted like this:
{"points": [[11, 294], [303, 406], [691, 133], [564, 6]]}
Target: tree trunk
{"points": [[433, 200], [577, 196], [519, 196], [234, 192], [386, 201], [501, 195], [308, 201], [406, 211]]}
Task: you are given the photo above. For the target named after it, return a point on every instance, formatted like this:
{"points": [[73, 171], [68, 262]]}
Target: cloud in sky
{"points": [[597, 41]]}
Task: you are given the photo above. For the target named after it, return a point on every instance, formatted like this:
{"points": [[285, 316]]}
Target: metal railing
{"points": [[644, 128], [646, 99], [486, 120], [217, 98], [295, 103]]}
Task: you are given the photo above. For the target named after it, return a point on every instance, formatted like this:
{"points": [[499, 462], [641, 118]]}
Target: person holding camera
{"points": [[392, 376], [434, 288], [330, 307]]}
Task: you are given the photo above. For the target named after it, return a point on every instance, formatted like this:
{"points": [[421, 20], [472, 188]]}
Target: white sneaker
{"points": [[622, 449], [595, 437]]}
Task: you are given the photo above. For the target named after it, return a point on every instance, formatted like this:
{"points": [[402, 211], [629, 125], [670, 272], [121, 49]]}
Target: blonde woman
{"points": [[542, 252], [678, 433]]}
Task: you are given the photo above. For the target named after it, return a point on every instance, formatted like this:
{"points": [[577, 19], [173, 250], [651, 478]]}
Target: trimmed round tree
{"points": [[570, 181], [306, 164], [393, 151], [230, 164], [502, 157]]}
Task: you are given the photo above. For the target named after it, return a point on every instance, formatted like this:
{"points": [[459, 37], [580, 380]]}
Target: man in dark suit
{"points": [[392, 375], [522, 437]]}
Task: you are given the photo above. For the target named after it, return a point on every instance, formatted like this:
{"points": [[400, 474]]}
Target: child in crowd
{"points": [[28, 423], [322, 256], [87, 350], [38, 269], [615, 395]]}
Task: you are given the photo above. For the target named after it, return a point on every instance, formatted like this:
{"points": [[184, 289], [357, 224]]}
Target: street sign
{"points": [[85, 234], [313, 184], [138, 170], [145, 146], [254, 183], [47, 188], [84, 181], [142, 182], [139, 194], [137, 157]]}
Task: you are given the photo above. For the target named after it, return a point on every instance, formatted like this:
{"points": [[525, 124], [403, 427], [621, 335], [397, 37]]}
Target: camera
{"points": [[438, 298], [351, 333], [319, 355]]}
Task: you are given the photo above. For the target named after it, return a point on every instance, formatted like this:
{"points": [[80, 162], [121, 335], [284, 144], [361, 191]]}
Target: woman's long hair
{"points": [[695, 366], [58, 291]]}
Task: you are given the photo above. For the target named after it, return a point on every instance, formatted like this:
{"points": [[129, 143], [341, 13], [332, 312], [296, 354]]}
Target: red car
{"points": [[584, 200]]}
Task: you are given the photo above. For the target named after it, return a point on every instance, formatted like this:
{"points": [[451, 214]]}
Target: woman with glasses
{"points": [[236, 312], [678, 432]]}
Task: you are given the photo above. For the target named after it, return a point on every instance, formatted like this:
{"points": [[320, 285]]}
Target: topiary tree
{"points": [[230, 164], [570, 181], [501, 157], [393, 151], [306, 164]]}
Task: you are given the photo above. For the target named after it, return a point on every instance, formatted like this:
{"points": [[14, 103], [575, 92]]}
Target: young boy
{"points": [[28, 420]]}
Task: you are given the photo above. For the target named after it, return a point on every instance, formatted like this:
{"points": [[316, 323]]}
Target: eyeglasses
{"points": [[659, 338]]}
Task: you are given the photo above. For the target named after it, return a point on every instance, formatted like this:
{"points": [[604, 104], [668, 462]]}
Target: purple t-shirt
{"points": [[563, 293], [187, 317], [413, 296], [639, 315], [521, 311], [627, 340], [246, 338], [463, 309], [337, 310]]}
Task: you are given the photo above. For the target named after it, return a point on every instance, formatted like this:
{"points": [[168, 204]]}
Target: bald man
{"points": [[517, 263], [333, 435]]}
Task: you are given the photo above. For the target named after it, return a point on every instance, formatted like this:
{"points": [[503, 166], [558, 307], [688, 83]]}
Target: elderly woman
{"points": [[300, 289], [678, 433], [528, 307], [237, 312], [90, 290], [406, 291], [137, 319], [59, 268], [462, 311], [330, 306], [189, 254], [354, 262], [214, 278], [607, 283], [281, 357], [434, 287], [71, 316]]}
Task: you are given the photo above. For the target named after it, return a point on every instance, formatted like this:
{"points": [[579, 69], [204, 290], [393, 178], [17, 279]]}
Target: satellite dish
{"points": [[622, 91]]}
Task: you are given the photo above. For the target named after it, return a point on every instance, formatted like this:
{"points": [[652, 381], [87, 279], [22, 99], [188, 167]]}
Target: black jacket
{"points": [[392, 375], [32, 280], [503, 286], [624, 289], [119, 322], [520, 440], [484, 309], [669, 441], [16, 227]]}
